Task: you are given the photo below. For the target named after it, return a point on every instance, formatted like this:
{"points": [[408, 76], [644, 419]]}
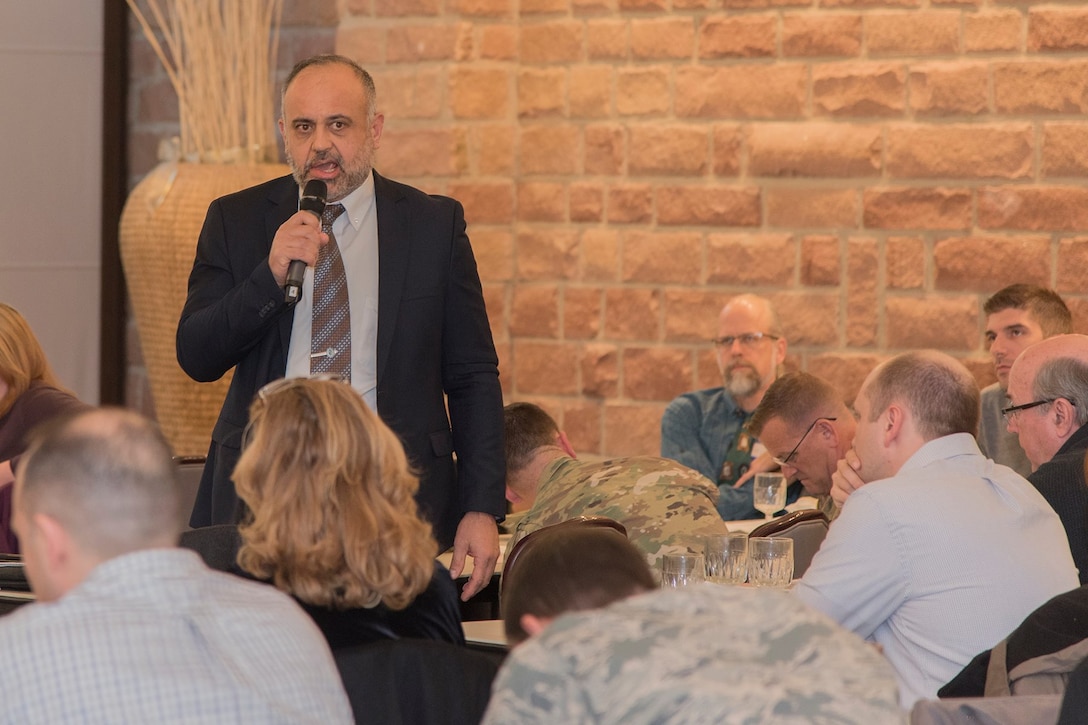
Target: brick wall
{"points": [[877, 168]]}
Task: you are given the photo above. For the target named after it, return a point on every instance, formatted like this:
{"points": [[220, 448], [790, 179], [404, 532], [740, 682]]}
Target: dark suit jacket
{"points": [[1061, 481], [433, 341]]}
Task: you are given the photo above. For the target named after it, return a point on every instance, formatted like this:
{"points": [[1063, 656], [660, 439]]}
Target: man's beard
{"points": [[350, 178], [742, 381]]}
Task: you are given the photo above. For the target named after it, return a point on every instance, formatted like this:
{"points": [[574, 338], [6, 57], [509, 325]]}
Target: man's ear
{"points": [[512, 496], [562, 442], [56, 544], [534, 625], [891, 423], [1063, 416]]}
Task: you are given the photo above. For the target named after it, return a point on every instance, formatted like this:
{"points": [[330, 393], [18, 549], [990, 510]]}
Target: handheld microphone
{"points": [[313, 201]]}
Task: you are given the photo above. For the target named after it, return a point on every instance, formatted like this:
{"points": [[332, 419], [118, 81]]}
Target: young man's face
{"points": [[1008, 332]]}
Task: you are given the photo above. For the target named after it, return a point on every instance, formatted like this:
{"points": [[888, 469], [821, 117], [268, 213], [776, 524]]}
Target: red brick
{"points": [[707, 373], [1065, 149], [546, 368], [632, 430], [692, 315], [811, 207], [498, 42], [668, 150], [157, 102], [1079, 308], [600, 371], [823, 34], [586, 202], [760, 4], [814, 149], [600, 255], [917, 208], [582, 424], [479, 93], [859, 89], [529, 7], [403, 8], [535, 311], [494, 148], [985, 264], [1044, 208], [690, 4], [953, 88], [541, 201], [582, 311], [654, 373], [435, 152], [414, 43], [741, 91], [546, 255], [590, 91], [1033, 87], [870, 4], [966, 151], [809, 318], [905, 262], [642, 91], [821, 263], [486, 202], [549, 149], [992, 30], [738, 36], [716, 205], [604, 150], [662, 38], [646, 5], [845, 371], [750, 259], [944, 323], [418, 93], [551, 42], [727, 149], [862, 272], [585, 7], [1057, 29], [1073, 271], [541, 92], [483, 8], [631, 313], [494, 252], [606, 39], [630, 203], [673, 257], [913, 33]]}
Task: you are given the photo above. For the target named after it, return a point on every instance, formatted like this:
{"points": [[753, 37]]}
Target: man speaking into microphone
{"points": [[390, 299]]}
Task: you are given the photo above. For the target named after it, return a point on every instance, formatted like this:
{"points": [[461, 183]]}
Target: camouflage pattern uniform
{"points": [[665, 507], [705, 654]]}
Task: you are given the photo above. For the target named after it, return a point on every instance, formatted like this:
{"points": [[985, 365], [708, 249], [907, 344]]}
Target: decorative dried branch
{"points": [[219, 55]]}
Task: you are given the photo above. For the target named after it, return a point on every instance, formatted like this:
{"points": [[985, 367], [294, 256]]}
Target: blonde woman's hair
{"points": [[22, 360], [332, 515]]}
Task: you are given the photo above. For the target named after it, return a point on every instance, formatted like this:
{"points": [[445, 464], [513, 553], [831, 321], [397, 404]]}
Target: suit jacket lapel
{"points": [[282, 204], [394, 240]]}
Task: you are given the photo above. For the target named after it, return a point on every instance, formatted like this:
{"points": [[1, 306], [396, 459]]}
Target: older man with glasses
{"points": [[1048, 389], [705, 429], [805, 425]]}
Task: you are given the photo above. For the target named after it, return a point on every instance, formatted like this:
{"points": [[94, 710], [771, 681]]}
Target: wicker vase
{"points": [[159, 229]]}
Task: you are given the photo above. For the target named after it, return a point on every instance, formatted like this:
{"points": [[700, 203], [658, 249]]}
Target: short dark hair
{"points": [[1044, 305], [526, 427], [797, 398], [939, 391], [571, 570], [332, 59]]}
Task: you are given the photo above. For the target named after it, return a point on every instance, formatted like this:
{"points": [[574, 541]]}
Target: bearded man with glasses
{"points": [[705, 429]]}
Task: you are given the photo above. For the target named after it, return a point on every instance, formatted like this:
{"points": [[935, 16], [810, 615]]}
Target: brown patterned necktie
{"points": [[330, 333]]}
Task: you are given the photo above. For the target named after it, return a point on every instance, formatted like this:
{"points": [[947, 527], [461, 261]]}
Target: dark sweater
{"points": [[1061, 481]]}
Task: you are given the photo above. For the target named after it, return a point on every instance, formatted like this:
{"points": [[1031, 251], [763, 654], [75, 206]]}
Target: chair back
{"points": [[190, 469], [529, 540], [217, 545], [409, 681], [806, 528]]}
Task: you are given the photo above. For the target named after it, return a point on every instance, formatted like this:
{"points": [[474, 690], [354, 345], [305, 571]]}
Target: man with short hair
{"points": [[1017, 316], [1048, 412], [806, 427], [705, 429], [129, 628], [940, 553], [665, 507]]}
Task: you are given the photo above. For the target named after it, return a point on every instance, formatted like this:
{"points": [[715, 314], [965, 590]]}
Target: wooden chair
{"points": [[806, 528]]}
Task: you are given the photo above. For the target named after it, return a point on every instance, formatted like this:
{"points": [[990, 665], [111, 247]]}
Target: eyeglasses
{"points": [[748, 339], [282, 384], [1013, 410], [785, 460]]}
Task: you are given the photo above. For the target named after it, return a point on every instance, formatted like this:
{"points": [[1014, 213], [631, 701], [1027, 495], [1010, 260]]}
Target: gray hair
{"points": [[1064, 377]]}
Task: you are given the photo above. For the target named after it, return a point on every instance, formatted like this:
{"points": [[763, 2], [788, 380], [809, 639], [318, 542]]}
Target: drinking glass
{"points": [[769, 493], [726, 558], [770, 561], [682, 570]]}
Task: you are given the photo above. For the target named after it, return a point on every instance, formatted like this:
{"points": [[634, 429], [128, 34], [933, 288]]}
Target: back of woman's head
{"points": [[570, 569], [332, 516], [22, 360]]}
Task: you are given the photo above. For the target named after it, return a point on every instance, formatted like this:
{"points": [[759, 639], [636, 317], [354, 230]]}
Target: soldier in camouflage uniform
{"points": [[704, 654], [665, 507]]}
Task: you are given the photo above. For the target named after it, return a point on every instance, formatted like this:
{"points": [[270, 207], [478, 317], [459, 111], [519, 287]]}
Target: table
{"points": [[485, 605], [486, 634]]}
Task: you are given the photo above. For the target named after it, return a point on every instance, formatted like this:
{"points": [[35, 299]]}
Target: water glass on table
{"points": [[770, 561], [682, 570], [769, 493], [726, 558]]}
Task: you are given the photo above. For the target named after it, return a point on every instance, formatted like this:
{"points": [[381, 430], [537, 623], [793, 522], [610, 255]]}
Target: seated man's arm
{"points": [[680, 437]]}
